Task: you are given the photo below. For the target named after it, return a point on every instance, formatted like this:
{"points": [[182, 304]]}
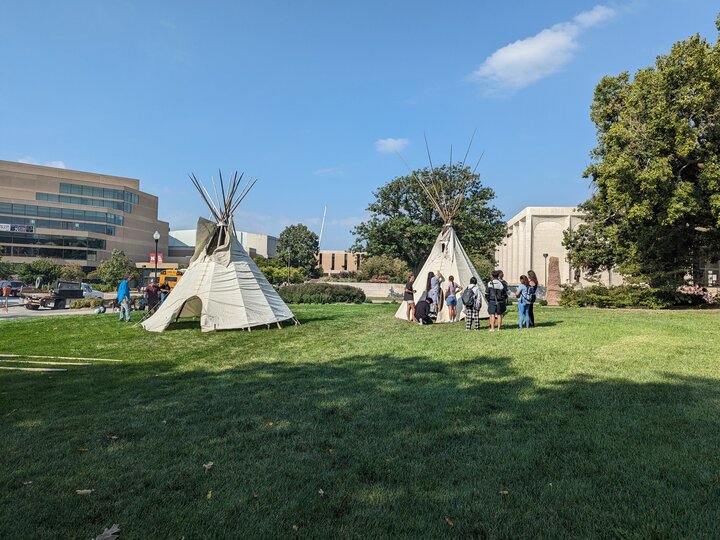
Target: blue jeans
{"points": [[523, 315], [125, 309]]}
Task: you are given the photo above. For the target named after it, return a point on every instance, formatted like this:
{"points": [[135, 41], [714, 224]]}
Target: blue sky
{"points": [[314, 98]]}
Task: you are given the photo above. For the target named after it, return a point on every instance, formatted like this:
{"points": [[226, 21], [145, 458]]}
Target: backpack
{"points": [[530, 295], [499, 296], [468, 298]]}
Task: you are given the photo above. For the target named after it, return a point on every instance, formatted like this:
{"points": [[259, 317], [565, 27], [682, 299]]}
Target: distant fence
{"points": [[376, 290]]}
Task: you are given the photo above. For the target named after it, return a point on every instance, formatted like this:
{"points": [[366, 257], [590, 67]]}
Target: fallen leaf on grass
{"points": [[209, 495], [207, 466], [504, 492], [269, 424], [84, 449], [109, 534], [331, 450], [83, 491], [449, 521], [321, 492], [113, 437], [27, 482], [295, 527]]}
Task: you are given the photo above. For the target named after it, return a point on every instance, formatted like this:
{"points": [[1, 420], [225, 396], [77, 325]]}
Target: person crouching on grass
{"points": [[422, 311], [409, 297]]}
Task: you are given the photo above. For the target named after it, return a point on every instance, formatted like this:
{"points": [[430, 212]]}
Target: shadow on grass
{"points": [[361, 446]]}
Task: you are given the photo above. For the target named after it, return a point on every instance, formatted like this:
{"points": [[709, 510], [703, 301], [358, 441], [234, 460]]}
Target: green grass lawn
{"points": [[358, 425]]}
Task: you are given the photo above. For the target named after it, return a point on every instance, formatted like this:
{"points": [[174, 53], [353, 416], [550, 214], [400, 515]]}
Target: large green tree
{"points": [[300, 245], [113, 270], [655, 210], [404, 223], [45, 269]]}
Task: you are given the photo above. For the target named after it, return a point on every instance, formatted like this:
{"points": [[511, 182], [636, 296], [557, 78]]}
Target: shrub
{"points": [[624, 296], [321, 293], [383, 268], [86, 303]]}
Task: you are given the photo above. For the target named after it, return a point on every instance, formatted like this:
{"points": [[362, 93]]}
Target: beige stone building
{"points": [[75, 217], [336, 262], [534, 235]]}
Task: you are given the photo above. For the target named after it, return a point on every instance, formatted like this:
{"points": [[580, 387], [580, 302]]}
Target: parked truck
{"points": [[62, 293]]}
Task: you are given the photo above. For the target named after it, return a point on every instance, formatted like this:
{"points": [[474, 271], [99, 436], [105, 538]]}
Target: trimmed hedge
{"points": [[86, 303], [321, 293], [627, 296]]}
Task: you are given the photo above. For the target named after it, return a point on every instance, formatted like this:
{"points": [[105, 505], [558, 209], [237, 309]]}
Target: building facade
{"points": [[337, 262], [75, 217], [534, 235], [182, 245]]}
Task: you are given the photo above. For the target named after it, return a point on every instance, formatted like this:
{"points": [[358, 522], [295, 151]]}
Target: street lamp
{"points": [[288, 259], [546, 256], [156, 237]]}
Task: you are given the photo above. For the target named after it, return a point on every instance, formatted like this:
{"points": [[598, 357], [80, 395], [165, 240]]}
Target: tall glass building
{"points": [[75, 217]]}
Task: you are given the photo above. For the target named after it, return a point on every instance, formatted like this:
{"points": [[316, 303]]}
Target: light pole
{"points": [[546, 256], [288, 259], [156, 237]]}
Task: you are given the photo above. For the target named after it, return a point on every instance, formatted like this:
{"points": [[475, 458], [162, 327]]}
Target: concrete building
{"points": [[534, 235], [75, 217], [182, 245], [336, 262]]}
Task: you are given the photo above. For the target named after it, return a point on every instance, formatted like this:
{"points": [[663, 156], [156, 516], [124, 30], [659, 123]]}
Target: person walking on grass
{"points": [[152, 295], [532, 295], [496, 296], [409, 297], [521, 294], [123, 298], [451, 298], [472, 301]]}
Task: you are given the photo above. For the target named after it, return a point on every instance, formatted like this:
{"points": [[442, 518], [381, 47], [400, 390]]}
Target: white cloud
{"points": [[390, 146], [528, 60], [30, 161]]}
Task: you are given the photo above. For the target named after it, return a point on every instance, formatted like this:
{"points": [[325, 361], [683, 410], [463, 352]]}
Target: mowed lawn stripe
{"points": [[356, 424]]}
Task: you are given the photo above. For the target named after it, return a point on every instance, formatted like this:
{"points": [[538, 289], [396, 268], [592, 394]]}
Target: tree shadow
{"points": [[365, 445]]}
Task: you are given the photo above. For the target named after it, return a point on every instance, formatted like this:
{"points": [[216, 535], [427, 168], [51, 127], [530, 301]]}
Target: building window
{"points": [[332, 262], [345, 259]]}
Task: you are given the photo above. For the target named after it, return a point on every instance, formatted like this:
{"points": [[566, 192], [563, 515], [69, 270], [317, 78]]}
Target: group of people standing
{"points": [[496, 295], [153, 296]]}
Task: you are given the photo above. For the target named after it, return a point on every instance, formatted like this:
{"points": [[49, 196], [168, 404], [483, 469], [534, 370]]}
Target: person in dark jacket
{"points": [[422, 311], [152, 295]]}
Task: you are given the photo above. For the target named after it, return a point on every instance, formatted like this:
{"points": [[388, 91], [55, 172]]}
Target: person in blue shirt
{"points": [[523, 305], [123, 298]]}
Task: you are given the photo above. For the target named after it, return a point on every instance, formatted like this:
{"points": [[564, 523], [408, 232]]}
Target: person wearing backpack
{"points": [[496, 296], [522, 294], [472, 302], [532, 295]]}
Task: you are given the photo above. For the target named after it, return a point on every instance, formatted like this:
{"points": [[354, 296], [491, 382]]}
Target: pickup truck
{"points": [[62, 293]]}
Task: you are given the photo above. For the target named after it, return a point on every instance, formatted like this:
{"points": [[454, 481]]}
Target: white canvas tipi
{"points": [[447, 256], [222, 285]]}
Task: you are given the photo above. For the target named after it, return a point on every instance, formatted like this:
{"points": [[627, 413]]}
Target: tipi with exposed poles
{"points": [[222, 285], [447, 255]]}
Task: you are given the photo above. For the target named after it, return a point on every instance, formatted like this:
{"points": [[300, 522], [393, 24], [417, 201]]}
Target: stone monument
{"points": [[553, 282]]}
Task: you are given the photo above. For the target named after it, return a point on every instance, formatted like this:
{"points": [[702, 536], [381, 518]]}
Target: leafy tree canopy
{"points": [[113, 270], [46, 269], [300, 244], [655, 212], [382, 266], [72, 272], [404, 223]]}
